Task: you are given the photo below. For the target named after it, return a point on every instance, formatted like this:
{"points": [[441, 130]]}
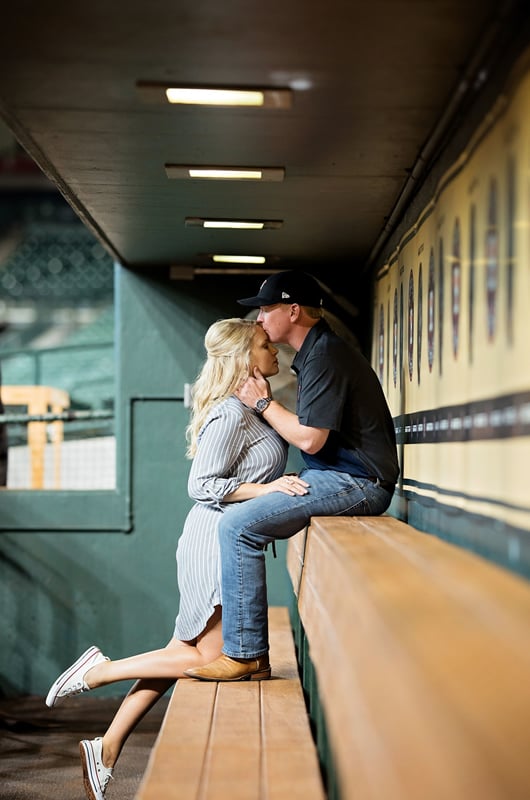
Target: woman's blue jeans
{"points": [[245, 529]]}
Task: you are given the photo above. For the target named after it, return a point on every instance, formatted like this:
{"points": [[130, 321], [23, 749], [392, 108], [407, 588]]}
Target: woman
{"points": [[236, 456]]}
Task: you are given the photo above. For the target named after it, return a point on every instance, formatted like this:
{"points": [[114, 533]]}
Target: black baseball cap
{"points": [[290, 286]]}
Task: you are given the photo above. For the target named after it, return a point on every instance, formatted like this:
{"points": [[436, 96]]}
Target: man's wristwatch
{"points": [[262, 404]]}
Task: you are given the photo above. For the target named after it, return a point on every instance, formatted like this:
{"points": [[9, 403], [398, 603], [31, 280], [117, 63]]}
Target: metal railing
{"points": [[85, 371], [64, 449]]}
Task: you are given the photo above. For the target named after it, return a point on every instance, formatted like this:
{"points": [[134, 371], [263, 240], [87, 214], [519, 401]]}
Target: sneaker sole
{"points": [[51, 698], [89, 768]]}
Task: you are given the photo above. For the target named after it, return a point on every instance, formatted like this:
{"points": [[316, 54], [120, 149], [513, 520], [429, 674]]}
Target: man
{"points": [[346, 436]]}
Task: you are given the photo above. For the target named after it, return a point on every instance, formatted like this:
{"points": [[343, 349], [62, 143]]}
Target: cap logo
{"points": [[285, 295]]}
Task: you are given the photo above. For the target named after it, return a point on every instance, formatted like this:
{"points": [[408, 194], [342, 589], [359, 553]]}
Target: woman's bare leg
{"points": [[141, 698], [168, 662], [157, 671]]}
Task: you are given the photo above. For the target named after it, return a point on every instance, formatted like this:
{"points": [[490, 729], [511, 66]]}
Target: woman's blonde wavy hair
{"points": [[228, 343]]}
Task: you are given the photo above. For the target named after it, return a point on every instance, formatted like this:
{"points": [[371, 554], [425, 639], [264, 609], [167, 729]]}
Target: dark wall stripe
{"points": [[503, 417]]}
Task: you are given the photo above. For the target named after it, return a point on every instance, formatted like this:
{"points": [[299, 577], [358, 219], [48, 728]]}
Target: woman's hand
{"points": [[288, 484]]}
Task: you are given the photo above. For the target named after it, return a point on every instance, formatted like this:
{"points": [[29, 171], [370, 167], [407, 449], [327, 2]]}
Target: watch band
{"points": [[262, 404]]}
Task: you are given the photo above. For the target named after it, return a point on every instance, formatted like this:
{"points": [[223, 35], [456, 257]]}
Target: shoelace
{"points": [[77, 688], [109, 776], [104, 774], [80, 686]]}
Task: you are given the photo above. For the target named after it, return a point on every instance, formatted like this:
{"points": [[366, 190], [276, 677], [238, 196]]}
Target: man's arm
{"points": [[285, 422]]}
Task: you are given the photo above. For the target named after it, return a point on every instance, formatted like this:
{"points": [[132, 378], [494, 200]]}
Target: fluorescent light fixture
{"points": [[191, 171], [214, 97], [238, 259], [234, 224], [233, 271], [226, 96], [186, 273], [227, 174]]}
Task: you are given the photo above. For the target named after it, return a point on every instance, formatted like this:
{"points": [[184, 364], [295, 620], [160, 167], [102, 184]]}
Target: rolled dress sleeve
{"points": [[221, 442]]}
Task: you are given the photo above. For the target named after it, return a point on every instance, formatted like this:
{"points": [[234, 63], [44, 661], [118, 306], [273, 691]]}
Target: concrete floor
{"points": [[39, 755]]}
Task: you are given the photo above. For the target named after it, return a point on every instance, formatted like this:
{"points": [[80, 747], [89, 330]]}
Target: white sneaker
{"points": [[72, 679], [95, 775]]}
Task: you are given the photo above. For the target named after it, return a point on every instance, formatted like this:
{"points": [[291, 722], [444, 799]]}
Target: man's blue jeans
{"points": [[245, 529]]}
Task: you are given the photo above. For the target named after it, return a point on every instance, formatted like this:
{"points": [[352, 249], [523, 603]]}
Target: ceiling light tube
{"points": [[195, 172], [233, 270], [214, 97], [226, 96], [220, 259], [227, 174], [233, 224]]}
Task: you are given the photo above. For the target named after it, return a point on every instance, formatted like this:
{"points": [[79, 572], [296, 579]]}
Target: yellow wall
{"points": [[481, 352]]}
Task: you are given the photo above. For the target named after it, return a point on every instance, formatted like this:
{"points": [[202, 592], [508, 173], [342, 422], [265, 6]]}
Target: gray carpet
{"points": [[39, 755]]}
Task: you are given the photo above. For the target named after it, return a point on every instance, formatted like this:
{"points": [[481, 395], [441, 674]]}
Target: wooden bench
{"points": [[421, 652], [238, 741]]}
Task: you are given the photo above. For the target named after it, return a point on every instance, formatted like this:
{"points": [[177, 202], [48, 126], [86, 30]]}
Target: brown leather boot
{"points": [[225, 668]]}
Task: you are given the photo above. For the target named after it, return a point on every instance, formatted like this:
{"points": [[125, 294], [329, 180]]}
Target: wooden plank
{"points": [[282, 652], [295, 558], [432, 697], [238, 741], [176, 762], [232, 769], [290, 761]]}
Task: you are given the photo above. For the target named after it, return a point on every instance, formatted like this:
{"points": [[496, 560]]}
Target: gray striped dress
{"points": [[235, 446]]}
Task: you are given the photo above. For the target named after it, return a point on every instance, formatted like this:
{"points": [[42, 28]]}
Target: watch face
{"points": [[262, 404]]}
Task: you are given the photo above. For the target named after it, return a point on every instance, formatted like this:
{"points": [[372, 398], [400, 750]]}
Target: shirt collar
{"points": [[309, 342]]}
